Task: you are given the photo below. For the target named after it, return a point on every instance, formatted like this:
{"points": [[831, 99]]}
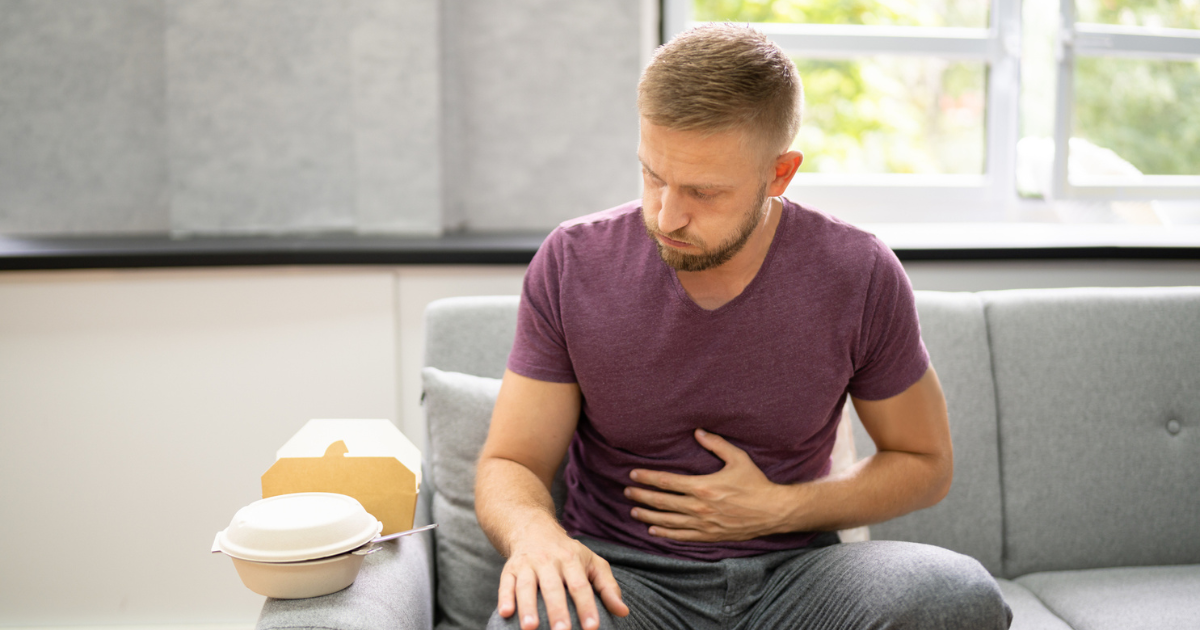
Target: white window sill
{"points": [[1026, 236]]}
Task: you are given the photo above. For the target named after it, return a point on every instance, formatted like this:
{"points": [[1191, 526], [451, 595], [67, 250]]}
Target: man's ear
{"points": [[786, 166]]}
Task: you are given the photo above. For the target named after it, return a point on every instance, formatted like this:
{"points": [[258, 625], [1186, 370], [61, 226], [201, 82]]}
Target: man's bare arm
{"points": [[532, 424], [912, 469]]}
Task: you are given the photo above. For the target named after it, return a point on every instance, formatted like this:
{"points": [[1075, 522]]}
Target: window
{"points": [[1132, 61], [950, 110]]}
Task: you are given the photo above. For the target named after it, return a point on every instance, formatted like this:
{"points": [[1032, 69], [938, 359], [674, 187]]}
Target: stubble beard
{"points": [[716, 257]]}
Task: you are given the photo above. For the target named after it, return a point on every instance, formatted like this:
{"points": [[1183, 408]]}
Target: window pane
{"points": [[1144, 111], [892, 115], [961, 13], [1151, 13]]}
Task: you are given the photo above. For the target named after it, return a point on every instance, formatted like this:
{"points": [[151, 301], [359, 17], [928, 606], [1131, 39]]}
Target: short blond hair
{"points": [[720, 77]]}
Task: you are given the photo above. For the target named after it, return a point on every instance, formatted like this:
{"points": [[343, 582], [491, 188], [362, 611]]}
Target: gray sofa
{"points": [[1076, 424]]}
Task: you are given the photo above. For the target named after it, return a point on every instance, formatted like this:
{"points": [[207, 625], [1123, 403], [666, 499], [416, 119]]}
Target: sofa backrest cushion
{"points": [[459, 407], [467, 341], [472, 335], [969, 519], [1098, 392]]}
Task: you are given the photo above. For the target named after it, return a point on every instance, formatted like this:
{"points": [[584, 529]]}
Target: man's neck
{"points": [[713, 288]]}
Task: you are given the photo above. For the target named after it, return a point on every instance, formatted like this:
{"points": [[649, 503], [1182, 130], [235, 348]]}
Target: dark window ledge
{"points": [[959, 243], [163, 251]]}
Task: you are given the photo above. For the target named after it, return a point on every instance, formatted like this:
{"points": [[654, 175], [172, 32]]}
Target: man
{"points": [[692, 353]]}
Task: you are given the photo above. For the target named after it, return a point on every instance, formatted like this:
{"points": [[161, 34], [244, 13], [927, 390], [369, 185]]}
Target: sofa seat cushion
{"points": [[1127, 598], [1029, 613]]}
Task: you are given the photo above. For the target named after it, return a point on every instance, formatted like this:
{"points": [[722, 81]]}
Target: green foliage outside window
{"points": [[1148, 112], [881, 114], [969, 13], [892, 115], [1153, 13], [1145, 111], [922, 115]]}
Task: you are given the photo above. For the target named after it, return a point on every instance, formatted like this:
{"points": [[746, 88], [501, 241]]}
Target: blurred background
{"points": [[420, 118]]}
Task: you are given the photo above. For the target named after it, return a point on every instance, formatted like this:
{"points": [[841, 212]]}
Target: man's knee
{"points": [[500, 623], [514, 623], [932, 587]]}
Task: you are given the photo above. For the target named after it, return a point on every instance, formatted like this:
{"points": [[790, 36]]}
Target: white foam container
{"points": [[298, 545], [296, 580]]}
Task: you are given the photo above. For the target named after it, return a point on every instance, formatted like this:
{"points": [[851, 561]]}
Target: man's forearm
{"points": [[883, 486], [510, 501]]}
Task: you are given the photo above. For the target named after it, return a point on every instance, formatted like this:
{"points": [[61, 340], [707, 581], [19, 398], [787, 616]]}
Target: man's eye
{"points": [[702, 195]]}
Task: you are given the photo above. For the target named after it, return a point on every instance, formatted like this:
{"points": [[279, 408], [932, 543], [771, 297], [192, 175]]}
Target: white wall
{"points": [[138, 409]]}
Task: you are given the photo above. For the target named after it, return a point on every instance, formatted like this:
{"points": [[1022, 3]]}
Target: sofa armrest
{"points": [[394, 589]]}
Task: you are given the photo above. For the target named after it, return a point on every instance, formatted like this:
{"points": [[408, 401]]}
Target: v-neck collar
{"points": [[682, 294]]}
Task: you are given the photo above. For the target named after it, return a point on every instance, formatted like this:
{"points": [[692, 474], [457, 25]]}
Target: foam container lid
{"points": [[297, 527]]}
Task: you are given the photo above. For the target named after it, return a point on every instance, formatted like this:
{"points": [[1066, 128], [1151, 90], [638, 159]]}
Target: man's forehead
{"points": [[696, 180], [693, 159]]}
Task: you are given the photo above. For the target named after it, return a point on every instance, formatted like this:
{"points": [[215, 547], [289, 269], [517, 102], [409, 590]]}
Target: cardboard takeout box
{"points": [[370, 460]]}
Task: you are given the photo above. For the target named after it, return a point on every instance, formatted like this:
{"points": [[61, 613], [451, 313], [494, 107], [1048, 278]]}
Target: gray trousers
{"points": [[878, 584]]}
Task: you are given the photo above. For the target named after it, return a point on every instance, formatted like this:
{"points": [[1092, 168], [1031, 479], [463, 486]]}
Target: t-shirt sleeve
{"points": [[540, 348], [890, 355]]}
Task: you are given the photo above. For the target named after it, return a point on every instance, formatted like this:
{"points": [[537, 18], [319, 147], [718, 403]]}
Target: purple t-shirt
{"points": [[830, 312]]}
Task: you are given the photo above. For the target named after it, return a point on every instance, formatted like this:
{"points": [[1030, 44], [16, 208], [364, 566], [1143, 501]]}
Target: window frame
{"points": [[991, 196], [1088, 39]]}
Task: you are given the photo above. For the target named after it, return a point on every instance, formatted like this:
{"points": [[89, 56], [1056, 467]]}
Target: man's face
{"points": [[704, 195]]}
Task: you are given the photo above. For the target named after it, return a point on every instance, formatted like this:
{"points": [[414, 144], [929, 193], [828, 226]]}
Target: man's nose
{"points": [[671, 215]]}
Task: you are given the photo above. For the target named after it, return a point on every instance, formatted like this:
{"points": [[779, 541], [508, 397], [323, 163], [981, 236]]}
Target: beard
{"points": [[708, 258]]}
